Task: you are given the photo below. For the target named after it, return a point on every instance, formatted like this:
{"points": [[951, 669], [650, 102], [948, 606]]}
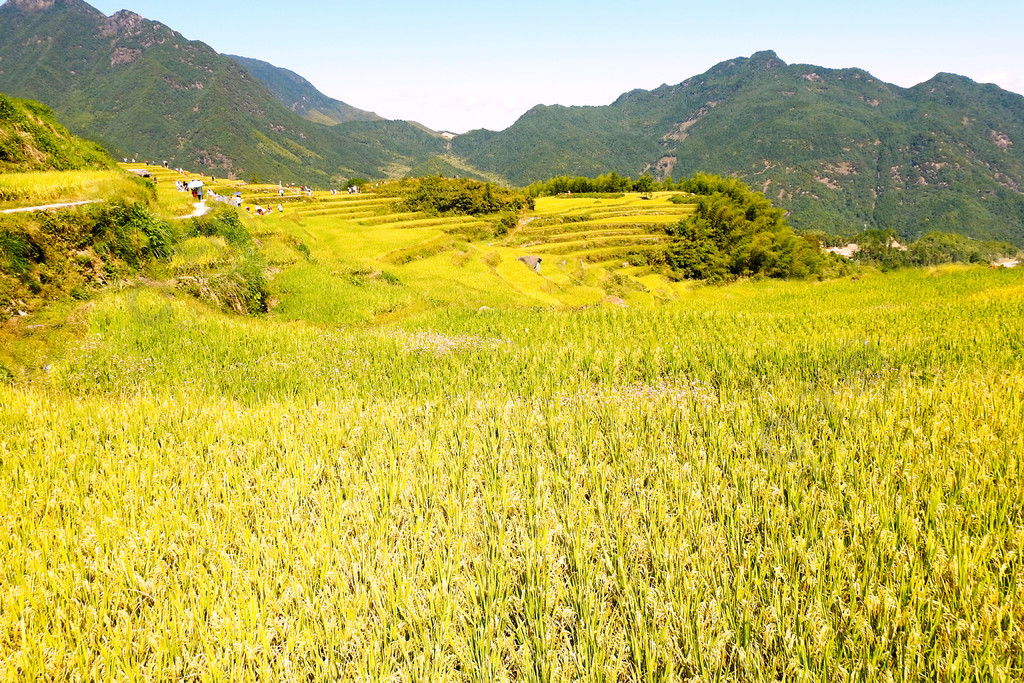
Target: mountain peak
{"points": [[37, 6], [766, 59], [124, 21], [31, 5], [126, 15]]}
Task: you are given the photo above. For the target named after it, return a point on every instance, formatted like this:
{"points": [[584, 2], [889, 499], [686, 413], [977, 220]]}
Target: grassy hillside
{"points": [[31, 139], [66, 235], [96, 226]]}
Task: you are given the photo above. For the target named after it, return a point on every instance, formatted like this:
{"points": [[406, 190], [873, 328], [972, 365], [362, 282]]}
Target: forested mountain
{"points": [[142, 90], [839, 148], [301, 96]]}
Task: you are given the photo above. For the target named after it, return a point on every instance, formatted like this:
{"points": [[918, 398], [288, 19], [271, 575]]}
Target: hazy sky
{"points": [[455, 65]]}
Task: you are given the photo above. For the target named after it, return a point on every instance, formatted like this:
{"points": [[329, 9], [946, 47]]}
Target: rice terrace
{"points": [[351, 439]]}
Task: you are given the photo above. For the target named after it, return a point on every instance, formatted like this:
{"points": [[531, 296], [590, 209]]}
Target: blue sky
{"points": [[462, 65]]}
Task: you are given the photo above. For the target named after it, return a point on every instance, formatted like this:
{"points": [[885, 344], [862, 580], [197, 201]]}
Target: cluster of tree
{"points": [[603, 184], [736, 232], [613, 183], [881, 248], [459, 196]]}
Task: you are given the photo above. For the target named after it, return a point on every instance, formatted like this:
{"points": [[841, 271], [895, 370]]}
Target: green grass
{"points": [[451, 468]]}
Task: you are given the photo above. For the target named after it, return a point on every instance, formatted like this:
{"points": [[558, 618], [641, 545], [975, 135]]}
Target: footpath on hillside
{"points": [[47, 207], [201, 209]]}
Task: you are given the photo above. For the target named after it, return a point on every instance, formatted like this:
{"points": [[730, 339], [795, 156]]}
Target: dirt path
{"points": [[523, 222], [47, 207], [201, 210]]}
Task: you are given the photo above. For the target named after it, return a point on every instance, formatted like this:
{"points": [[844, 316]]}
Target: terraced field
{"points": [[592, 251], [603, 231]]}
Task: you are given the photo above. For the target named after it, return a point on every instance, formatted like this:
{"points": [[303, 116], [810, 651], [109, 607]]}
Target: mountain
{"points": [[299, 95], [839, 148], [31, 139], [143, 90]]}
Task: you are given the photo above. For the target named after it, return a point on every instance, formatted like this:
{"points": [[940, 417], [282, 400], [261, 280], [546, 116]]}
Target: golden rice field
{"points": [[451, 468], [43, 187]]}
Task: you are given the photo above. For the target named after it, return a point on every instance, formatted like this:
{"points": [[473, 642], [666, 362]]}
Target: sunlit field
{"points": [[36, 188], [428, 462]]}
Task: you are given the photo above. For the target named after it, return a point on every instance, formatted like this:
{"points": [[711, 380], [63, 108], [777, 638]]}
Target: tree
{"points": [[735, 232], [645, 184]]}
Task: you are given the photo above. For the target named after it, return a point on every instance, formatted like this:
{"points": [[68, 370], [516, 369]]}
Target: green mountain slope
{"points": [[144, 91], [31, 139], [839, 148], [299, 95]]}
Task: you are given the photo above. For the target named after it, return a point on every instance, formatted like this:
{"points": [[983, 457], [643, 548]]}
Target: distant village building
{"points": [[849, 251], [531, 261]]}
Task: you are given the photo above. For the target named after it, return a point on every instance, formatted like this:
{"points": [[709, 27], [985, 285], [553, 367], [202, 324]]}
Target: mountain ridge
{"points": [[840, 149], [301, 96], [143, 90]]}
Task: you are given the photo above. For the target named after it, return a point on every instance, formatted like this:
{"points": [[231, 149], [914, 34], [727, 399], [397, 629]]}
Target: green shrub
{"points": [[241, 286], [461, 196], [18, 253], [390, 278], [735, 232], [224, 224]]}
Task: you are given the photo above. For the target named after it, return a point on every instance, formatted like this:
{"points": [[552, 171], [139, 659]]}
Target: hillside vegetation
{"points": [[31, 139], [839, 149], [146, 92]]}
